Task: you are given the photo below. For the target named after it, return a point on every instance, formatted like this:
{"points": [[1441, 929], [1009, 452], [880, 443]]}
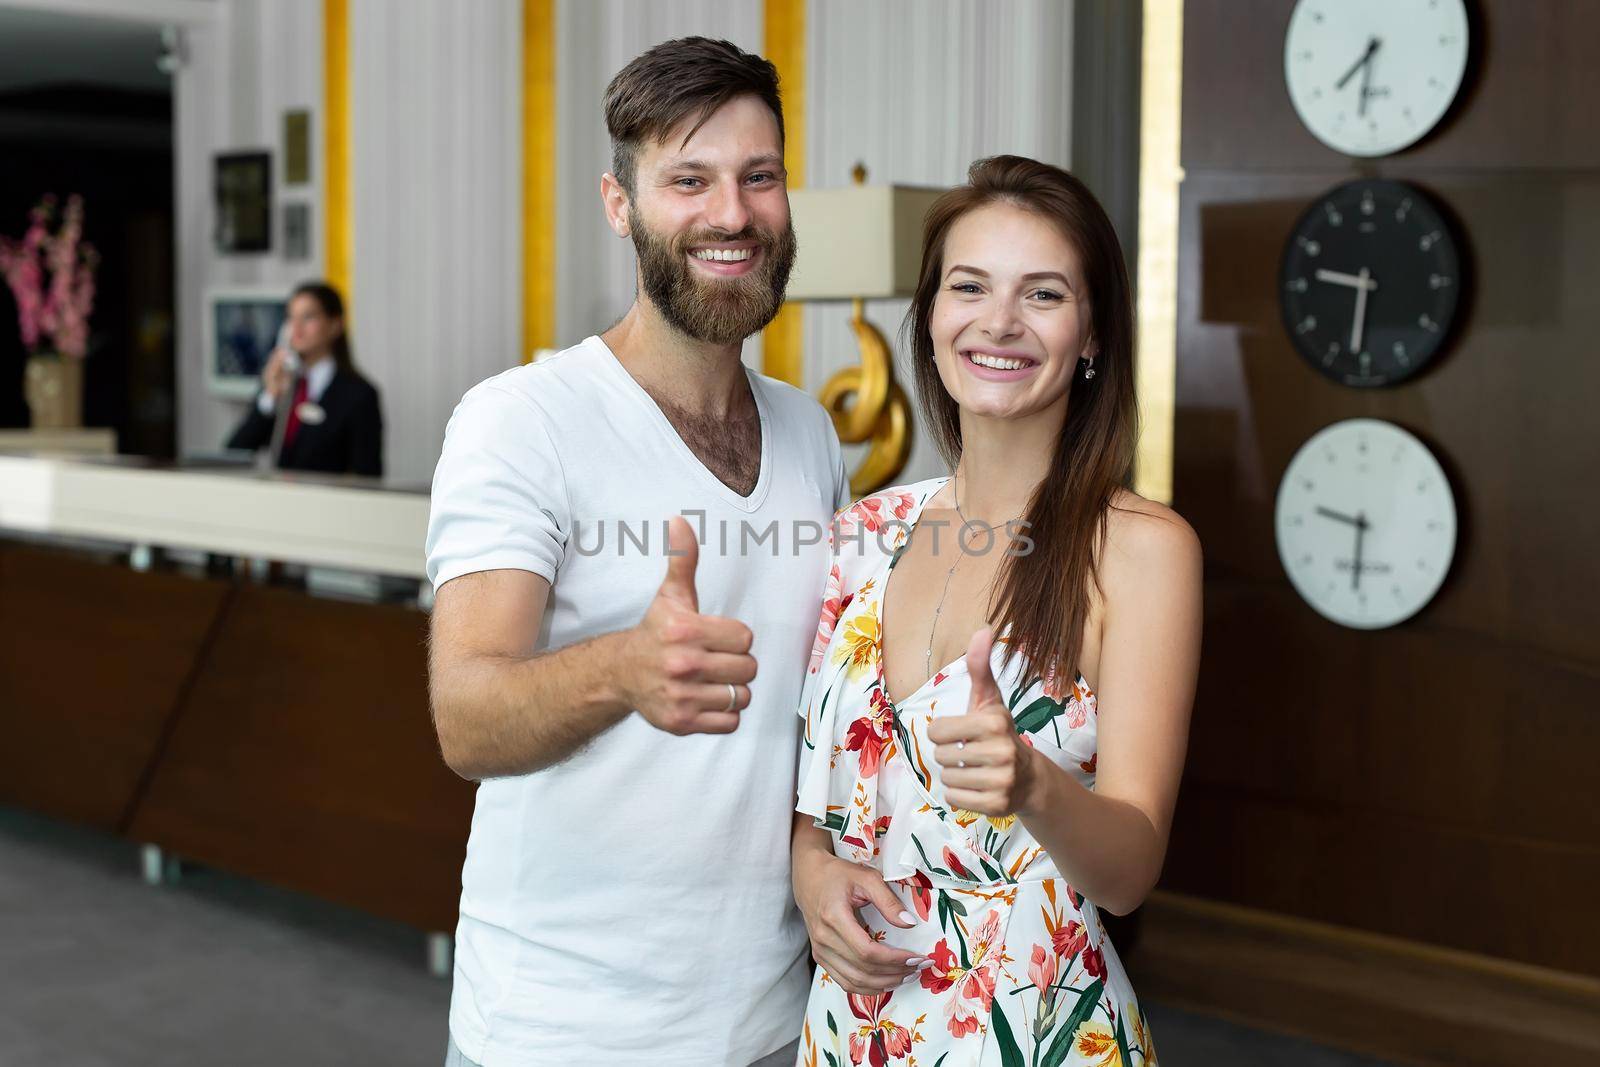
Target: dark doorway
{"points": [[84, 110]]}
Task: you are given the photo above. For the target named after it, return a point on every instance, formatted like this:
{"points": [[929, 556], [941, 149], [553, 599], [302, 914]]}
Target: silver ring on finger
{"points": [[960, 745], [733, 697]]}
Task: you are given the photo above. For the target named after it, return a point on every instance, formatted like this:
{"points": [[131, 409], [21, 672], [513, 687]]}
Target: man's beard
{"points": [[717, 311]]}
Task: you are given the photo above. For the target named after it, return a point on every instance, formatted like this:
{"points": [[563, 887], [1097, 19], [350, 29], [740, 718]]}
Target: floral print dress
{"points": [[1022, 974]]}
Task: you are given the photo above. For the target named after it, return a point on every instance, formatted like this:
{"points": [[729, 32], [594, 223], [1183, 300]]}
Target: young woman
{"points": [[335, 423], [999, 696]]}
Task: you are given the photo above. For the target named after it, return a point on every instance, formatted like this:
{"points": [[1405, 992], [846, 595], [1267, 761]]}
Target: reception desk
{"points": [[236, 723]]}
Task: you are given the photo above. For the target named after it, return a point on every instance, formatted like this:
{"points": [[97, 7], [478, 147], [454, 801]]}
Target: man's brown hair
{"points": [[674, 80]]}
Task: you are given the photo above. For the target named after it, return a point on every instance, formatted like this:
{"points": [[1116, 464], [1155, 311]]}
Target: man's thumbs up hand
{"points": [[683, 555], [687, 673]]}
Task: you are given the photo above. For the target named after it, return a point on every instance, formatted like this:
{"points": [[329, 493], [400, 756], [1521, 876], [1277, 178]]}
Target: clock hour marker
{"points": [[1427, 323], [1311, 247], [1307, 324], [1437, 281], [1429, 240]]}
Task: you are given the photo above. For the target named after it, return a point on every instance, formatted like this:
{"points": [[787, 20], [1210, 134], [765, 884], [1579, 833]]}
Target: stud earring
{"points": [[1088, 372]]}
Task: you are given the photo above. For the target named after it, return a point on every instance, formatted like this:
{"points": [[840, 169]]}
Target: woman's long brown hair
{"points": [[1043, 596]]}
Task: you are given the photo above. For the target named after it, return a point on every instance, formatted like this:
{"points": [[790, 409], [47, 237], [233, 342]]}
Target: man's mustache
{"points": [[766, 238]]}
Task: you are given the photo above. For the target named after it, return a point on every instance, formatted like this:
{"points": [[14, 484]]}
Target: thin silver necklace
{"points": [[955, 493]]}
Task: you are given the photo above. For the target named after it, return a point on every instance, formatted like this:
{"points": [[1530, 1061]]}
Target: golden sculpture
{"points": [[867, 404]]}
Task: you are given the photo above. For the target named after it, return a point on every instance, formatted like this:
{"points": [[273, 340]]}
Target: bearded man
{"points": [[626, 896]]}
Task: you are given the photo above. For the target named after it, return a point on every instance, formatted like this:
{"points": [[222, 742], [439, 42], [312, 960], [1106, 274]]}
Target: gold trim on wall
{"points": [[538, 176], [1160, 173], [337, 218], [785, 45]]}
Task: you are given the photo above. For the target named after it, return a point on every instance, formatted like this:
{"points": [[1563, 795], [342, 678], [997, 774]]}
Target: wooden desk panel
{"points": [[93, 661], [305, 756]]}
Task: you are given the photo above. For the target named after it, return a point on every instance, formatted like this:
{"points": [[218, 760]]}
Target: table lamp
{"points": [[859, 243]]}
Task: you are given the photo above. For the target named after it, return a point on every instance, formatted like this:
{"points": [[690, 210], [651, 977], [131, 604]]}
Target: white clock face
{"points": [[1366, 523], [1369, 77]]}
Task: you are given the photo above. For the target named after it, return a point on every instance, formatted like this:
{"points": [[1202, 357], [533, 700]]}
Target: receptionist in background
{"points": [[333, 422]]}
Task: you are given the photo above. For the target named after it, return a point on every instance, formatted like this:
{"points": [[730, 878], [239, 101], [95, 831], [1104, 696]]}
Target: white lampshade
{"points": [[858, 241]]}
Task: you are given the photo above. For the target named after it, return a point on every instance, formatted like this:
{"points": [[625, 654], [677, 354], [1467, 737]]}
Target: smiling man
{"points": [[626, 897]]}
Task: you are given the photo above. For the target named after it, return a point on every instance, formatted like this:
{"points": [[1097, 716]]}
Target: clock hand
{"points": [[1331, 514], [1372, 46], [1366, 82], [1351, 280], [1359, 320], [1355, 571]]}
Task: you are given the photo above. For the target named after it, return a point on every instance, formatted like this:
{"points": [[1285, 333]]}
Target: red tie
{"points": [[292, 427]]}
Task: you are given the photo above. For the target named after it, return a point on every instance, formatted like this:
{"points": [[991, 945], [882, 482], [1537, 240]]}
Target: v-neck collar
{"points": [[653, 411]]}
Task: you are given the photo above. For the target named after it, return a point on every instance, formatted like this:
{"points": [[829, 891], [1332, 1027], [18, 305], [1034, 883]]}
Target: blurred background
{"points": [[1360, 231]]}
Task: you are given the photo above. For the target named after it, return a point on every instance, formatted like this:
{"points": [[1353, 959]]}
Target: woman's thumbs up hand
{"points": [[984, 766]]}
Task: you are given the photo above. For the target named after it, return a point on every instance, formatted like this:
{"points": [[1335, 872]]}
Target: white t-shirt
{"points": [[632, 904]]}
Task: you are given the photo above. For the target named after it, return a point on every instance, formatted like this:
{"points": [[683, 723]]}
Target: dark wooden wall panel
{"points": [[305, 756], [1430, 781], [1528, 103], [93, 659]]}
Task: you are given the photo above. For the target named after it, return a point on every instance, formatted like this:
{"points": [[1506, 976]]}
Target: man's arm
{"points": [[501, 709]]}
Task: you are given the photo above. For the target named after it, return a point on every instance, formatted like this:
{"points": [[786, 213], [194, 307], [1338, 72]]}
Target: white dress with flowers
{"points": [[1022, 974]]}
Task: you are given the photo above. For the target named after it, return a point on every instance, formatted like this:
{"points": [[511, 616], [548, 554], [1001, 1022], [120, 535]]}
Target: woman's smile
{"points": [[998, 364]]}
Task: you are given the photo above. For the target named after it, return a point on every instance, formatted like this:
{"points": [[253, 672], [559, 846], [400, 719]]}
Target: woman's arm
{"points": [[1109, 842]]}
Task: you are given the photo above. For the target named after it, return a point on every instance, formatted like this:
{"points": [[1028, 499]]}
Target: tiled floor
{"points": [[99, 970]]}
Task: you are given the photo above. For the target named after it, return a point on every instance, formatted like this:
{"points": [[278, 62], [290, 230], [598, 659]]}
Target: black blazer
{"points": [[348, 441]]}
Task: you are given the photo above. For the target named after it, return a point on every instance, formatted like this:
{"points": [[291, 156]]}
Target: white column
{"points": [[436, 165]]}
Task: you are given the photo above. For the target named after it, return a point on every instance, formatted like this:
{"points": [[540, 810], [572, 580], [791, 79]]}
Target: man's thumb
{"points": [[683, 553], [979, 672]]}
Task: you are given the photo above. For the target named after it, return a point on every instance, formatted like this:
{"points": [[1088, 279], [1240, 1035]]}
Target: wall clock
{"points": [[1370, 282], [1369, 77], [1366, 523]]}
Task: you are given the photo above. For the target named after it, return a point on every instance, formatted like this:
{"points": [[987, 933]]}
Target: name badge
{"points": [[310, 413]]}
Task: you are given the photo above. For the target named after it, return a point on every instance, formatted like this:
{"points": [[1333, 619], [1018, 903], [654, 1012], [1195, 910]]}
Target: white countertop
{"points": [[348, 522]]}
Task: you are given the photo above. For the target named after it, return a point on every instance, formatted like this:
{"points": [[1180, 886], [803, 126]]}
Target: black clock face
{"points": [[1370, 282]]}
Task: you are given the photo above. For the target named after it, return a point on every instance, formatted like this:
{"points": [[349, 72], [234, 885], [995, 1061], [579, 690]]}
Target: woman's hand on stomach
{"points": [[829, 891]]}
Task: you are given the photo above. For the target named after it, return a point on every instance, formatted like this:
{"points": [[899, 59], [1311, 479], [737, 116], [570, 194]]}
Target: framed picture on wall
{"points": [[244, 202], [242, 327], [296, 231], [296, 147]]}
